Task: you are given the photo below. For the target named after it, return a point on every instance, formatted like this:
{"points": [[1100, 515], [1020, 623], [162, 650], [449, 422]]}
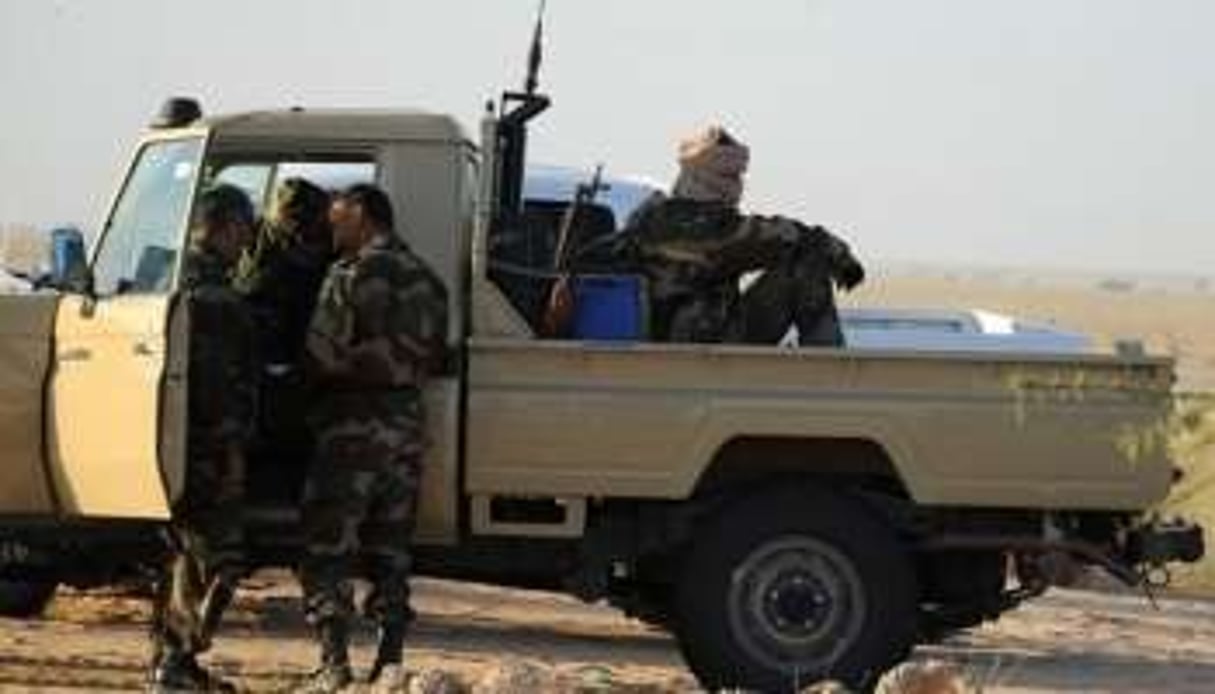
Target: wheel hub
{"points": [[797, 604]]}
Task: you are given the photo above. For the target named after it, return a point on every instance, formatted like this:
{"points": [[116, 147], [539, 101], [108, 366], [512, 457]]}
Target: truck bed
{"points": [[960, 429]]}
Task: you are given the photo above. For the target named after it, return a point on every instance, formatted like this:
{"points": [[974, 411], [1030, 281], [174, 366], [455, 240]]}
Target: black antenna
{"points": [[536, 53]]}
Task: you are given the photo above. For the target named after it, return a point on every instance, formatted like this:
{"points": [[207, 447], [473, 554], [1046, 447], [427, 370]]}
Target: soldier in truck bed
{"points": [[694, 245]]}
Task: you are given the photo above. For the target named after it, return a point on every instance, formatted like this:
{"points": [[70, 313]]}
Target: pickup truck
{"points": [[787, 513]]}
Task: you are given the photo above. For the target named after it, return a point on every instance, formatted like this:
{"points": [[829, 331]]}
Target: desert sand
{"points": [[1066, 641], [1174, 318]]}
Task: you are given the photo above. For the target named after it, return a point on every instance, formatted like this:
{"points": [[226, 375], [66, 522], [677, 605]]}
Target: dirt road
{"points": [[1065, 642]]}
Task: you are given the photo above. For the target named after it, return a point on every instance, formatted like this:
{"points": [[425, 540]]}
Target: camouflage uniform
{"points": [[282, 274], [280, 278], [207, 530], [378, 332], [694, 246], [693, 252]]}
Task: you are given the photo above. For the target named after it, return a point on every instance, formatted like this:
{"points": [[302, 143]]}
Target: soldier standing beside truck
{"points": [[281, 277], [282, 274], [694, 245], [379, 331], [208, 557]]}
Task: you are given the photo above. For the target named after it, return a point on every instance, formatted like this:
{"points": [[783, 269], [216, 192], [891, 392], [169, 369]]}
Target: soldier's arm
{"points": [[330, 333], [223, 392], [400, 326], [372, 356], [207, 371], [247, 361], [846, 269], [426, 322], [760, 241], [245, 275], [757, 242], [623, 245]]}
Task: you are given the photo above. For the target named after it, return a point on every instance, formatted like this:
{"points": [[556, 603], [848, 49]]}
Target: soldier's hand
{"points": [[848, 273]]}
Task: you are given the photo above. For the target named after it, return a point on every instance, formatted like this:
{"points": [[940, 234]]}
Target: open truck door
{"points": [[26, 322], [116, 405]]}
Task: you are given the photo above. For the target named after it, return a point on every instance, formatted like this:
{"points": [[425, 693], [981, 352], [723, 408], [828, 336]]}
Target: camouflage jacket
{"points": [[281, 279], [223, 368], [693, 252], [380, 325]]}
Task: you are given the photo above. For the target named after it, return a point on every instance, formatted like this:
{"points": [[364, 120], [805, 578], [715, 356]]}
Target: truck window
{"points": [[258, 178], [142, 240], [251, 178], [332, 176]]}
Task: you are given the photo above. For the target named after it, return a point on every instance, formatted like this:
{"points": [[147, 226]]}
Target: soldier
{"points": [[378, 333], [281, 277], [206, 533], [282, 274], [694, 245]]}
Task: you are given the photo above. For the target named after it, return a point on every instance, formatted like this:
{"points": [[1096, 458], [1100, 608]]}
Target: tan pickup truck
{"points": [[787, 513]]}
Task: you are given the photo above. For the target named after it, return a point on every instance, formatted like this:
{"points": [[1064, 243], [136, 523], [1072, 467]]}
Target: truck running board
{"points": [[531, 516]]}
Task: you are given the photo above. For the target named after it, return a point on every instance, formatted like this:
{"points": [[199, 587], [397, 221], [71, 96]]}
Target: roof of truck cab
{"points": [[352, 124]]}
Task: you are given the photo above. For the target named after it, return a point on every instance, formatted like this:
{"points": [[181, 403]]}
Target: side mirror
{"points": [[69, 266]]}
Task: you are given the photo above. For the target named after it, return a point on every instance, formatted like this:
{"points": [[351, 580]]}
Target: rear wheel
{"points": [[791, 586], [960, 590], [25, 598]]}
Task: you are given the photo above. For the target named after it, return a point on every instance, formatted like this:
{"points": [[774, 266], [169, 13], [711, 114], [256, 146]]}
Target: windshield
{"points": [[145, 233]]}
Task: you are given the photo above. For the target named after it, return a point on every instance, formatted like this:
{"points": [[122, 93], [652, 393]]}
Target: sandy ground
{"points": [[1067, 641]]}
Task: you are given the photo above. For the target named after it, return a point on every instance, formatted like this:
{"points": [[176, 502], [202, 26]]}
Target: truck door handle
{"points": [[143, 349], [78, 354]]}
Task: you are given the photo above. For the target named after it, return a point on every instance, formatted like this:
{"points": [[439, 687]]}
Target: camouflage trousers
{"points": [[796, 294], [207, 557], [359, 514], [792, 294]]}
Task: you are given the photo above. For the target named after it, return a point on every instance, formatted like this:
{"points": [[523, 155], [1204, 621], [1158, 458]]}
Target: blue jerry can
{"points": [[609, 307]]}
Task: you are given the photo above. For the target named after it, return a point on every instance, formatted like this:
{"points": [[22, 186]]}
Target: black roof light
{"points": [[177, 112]]}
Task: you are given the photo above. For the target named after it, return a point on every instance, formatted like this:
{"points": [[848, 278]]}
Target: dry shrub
{"points": [[1192, 443], [514, 677], [588, 679], [925, 677], [436, 682]]}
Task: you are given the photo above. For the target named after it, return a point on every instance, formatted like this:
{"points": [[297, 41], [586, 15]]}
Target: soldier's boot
{"points": [[179, 671], [334, 674], [215, 603], [390, 651], [158, 632]]}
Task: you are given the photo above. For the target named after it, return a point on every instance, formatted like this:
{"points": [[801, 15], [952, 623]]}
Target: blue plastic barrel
{"points": [[608, 307]]}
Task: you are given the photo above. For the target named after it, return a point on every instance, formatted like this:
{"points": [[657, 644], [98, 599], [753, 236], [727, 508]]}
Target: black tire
{"points": [[960, 590], [23, 599], [790, 586]]}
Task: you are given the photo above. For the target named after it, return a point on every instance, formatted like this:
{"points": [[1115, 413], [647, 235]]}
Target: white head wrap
{"points": [[711, 167]]}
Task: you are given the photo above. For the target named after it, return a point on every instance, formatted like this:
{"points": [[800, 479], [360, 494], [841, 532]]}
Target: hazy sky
{"points": [[1060, 133]]}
